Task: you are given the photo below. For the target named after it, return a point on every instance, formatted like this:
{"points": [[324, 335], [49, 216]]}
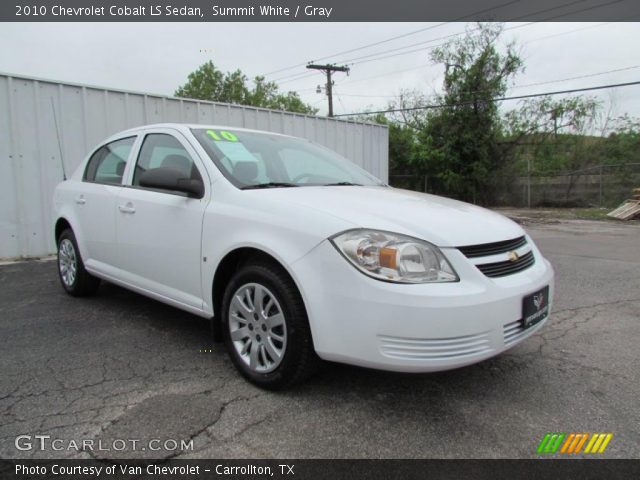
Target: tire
{"points": [[255, 336], [73, 276]]}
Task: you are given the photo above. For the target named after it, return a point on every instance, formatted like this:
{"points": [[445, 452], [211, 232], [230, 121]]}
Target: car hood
{"points": [[442, 221]]}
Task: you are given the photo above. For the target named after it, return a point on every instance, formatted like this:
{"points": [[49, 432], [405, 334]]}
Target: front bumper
{"points": [[362, 321]]}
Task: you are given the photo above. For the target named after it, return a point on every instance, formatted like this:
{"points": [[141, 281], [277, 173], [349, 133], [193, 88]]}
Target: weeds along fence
{"points": [[598, 186]]}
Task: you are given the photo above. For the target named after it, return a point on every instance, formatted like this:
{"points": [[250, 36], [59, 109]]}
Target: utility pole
{"points": [[329, 69]]}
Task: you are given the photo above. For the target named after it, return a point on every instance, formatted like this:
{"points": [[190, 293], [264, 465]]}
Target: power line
{"points": [[393, 72], [359, 48], [366, 58], [390, 39], [380, 75], [499, 99], [290, 78], [472, 30], [367, 96], [558, 80], [354, 61], [568, 32], [573, 2], [300, 76], [340, 100], [589, 75]]}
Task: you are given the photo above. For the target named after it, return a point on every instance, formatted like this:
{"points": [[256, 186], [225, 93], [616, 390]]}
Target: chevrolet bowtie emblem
{"points": [[513, 256]]}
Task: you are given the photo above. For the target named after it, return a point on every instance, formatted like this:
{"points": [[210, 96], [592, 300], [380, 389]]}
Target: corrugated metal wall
{"points": [[30, 163]]}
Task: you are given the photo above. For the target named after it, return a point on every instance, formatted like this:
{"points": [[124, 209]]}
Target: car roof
{"points": [[185, 127]]}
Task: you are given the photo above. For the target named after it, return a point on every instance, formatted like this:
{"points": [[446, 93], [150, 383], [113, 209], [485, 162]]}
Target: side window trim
{"points": [[126, 160]]}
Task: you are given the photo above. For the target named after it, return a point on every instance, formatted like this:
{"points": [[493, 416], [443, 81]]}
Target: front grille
{"points": [[486, 249], [501, 269], [434, 348]]}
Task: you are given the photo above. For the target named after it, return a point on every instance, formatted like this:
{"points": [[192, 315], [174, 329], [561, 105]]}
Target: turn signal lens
{"points": [[394, 257], [388, 257]]}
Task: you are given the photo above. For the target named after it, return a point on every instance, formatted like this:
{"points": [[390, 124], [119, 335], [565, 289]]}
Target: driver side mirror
{"points": [[165, 178]]}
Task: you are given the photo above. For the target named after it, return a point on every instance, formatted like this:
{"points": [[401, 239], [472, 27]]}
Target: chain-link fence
{"points": [[599, 186]]}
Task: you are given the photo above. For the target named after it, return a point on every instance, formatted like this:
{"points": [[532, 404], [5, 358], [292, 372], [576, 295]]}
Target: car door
{"points": [[95, 203], [159, 232]]}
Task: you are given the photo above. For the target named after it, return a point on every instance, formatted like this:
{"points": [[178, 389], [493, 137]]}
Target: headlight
{"points": [[394, 257]]}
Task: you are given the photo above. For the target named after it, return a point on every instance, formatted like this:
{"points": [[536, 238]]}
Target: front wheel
{"points": [[74, 277], [266, 329]]}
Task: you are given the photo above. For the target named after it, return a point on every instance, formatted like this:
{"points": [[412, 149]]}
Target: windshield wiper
{"points": [[340, 184], [269, 185]]}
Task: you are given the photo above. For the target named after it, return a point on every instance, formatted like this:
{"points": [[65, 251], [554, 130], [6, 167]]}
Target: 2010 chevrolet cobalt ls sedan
{"points": [[295, 253]]}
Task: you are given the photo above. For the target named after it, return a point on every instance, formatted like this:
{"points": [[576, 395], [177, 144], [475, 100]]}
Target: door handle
{"points": [[128, 208], [80, 200]]}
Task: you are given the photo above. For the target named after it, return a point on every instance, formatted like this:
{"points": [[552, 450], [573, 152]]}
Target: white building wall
{"points": [[30, 153]]}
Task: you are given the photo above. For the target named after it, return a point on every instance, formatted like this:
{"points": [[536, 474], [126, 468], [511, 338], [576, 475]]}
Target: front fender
{"points": [[284, 234]]}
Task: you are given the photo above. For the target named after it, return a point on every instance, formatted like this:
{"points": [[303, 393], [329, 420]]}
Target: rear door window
{"points": [[107, 164]]}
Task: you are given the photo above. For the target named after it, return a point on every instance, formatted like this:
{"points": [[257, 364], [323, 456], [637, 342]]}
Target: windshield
{"points": [[260, 160]]}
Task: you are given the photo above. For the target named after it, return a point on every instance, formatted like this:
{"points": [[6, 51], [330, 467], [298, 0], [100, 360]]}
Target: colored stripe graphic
{"points": [[580, 443], [598, 443], [543, 443], [574, 442], [569, 443], [552, 442], [606, 442]]}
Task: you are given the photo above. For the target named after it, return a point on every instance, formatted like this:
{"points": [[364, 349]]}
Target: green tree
{"points": [[622, 145], [460, 143], [546, 135], [402, 144], [209, 83], [471, 149]]}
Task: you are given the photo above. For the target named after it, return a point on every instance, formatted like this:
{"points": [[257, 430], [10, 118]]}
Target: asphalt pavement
{"points": [[140, 379]]}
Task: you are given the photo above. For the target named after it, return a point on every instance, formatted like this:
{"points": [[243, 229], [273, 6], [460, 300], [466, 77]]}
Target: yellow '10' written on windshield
{"points": [[222, 135]]}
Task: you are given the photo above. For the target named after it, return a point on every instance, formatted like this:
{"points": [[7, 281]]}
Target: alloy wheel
{"points": [[67, 262], [257, 327]]}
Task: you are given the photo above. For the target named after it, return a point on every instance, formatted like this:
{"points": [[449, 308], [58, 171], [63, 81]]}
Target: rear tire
{"points": [[266, 329], [73, 276]]}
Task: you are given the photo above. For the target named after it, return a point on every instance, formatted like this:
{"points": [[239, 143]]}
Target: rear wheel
{"points": [[74, 277], [266, 329]]}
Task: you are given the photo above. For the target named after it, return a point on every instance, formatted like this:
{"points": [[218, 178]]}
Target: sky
{"points": [[157, 57]]}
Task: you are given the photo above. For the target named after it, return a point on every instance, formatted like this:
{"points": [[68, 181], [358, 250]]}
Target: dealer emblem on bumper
{"points": [[538, 300]]}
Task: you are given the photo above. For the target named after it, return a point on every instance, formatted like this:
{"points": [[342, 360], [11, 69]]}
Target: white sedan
{"points": [[296, 254]]}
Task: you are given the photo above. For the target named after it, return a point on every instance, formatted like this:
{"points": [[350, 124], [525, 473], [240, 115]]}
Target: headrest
{"points": [[178, 162]]}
